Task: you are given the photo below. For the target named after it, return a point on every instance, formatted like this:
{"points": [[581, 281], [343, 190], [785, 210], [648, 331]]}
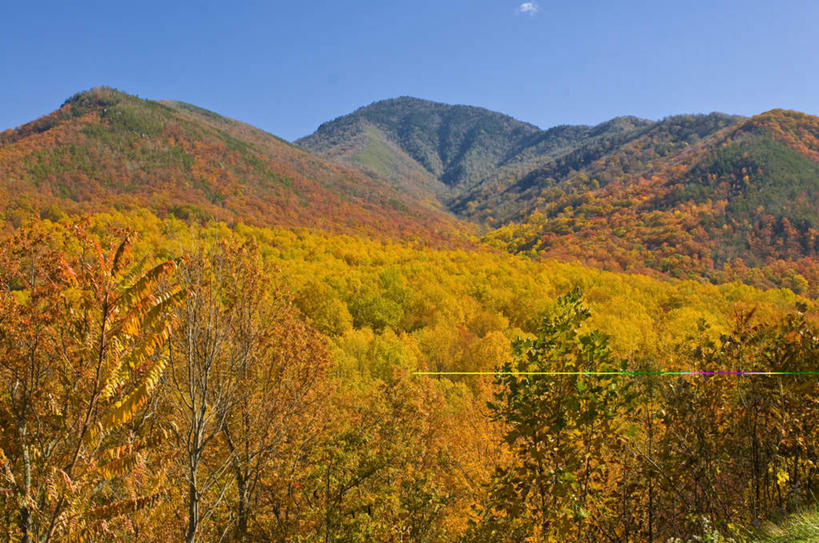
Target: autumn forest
{"points": [[421, 323]]}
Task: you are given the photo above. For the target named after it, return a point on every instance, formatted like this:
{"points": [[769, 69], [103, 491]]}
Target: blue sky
{"points": [[288, 66]]}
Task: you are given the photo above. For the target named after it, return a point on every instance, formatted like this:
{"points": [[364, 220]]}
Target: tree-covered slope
{"points": [[479, 162], [607, 153], [715, 196], [304, 344], [106, 149], [453, 147], [739, 203], [711, 195]]}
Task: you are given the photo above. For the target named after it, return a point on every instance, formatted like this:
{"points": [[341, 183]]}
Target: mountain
{"points": [[687, 196], [602, 155], [435, 146], [478, 162], [692, 196], [739, 203], [104, 149], [311, 346]]}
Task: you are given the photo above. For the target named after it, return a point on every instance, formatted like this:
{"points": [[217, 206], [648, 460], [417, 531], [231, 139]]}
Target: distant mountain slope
{"points": [[605, 154], [691, 195], [446, 147], [104, 149], [473, 159], [715, 196], [745, 196]]}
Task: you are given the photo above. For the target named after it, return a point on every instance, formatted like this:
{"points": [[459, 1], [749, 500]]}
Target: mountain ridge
{"points": [[710, 196], [105, 149], [706, 195], [455, 148]]}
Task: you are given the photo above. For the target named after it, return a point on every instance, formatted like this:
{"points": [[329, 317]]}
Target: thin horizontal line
{"points": [[621, 373]]}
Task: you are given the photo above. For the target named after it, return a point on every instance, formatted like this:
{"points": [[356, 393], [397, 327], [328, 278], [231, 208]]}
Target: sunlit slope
{"points": [[489, 167], [441, 147], [104, 149], [470, 303], [802, 528], [715, 196], [741, 200]]}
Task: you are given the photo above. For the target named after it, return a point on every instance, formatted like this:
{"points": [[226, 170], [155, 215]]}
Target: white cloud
{"points": [[528, 8]]}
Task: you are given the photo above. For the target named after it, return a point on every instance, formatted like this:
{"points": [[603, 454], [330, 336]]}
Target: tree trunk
{"points": [[25, 513], [243, 509], [650, 482], [25, 525], [193, 505]]}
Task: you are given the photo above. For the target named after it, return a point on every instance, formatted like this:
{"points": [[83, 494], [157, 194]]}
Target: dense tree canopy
{"points": [[255, 384], [305, 371]]}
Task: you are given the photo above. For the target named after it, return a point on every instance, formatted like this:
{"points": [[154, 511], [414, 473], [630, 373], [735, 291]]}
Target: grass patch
{"points": [[799, 528]]}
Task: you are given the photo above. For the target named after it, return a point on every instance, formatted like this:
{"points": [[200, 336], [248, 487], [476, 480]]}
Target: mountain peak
{"points": [[624, 123], [96, 98], [445, 146], [104, 149]]}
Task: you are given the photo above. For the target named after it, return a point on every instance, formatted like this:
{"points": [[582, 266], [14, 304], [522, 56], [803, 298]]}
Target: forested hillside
{"points": [[104, 149], [210, 334], [737, 205], [711, 196], [492, 166], [199, 383], [451, 147]]}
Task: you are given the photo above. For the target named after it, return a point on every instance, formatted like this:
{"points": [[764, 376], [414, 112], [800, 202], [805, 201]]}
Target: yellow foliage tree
{"points": [[82, 337]]}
